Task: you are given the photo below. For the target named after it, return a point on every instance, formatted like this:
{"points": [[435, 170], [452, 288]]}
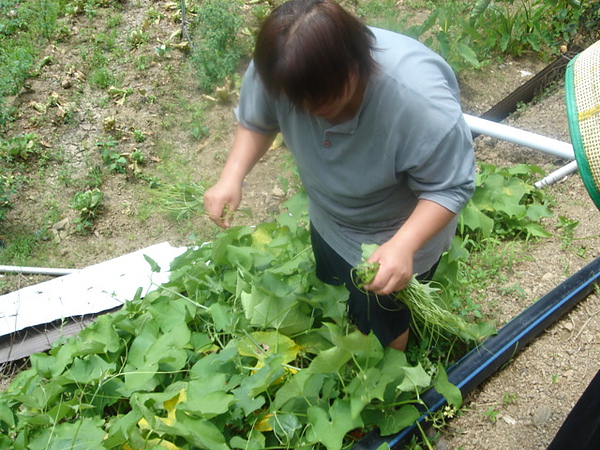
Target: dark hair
{"points": [[308, 49]]}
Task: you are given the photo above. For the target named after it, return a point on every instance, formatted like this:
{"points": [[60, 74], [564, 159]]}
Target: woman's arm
{"points": [[395, 257], [225, 196]]}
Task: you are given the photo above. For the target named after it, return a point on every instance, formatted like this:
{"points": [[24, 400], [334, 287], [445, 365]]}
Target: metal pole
{"points": [[521, 137], [557, 175], [36, 270]]}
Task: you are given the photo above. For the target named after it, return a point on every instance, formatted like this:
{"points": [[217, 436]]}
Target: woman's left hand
{"points": [[396, 256], [395, 268]]}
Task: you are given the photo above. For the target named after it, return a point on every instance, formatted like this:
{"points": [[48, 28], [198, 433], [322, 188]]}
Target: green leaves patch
{"points": [[242, 348], [506, 204], [245, 348]]}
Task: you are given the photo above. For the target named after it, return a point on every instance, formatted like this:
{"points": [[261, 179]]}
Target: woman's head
{"points": [[309, 50]]}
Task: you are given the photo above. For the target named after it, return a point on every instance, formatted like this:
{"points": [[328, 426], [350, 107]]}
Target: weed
{"points": [[65, 175], [379, 8], [137, 38], [136, 160], [19, 249], [142, 63], [153, 181], [161, 50], [95, 177], [139, 136], [199, 131], [119, 95], [515, 290], [111, 157], [198, 127], [102, 78], [590, 20], [509, 397], [7, 189], [152, 15], [21, 28], [183, 200], [469, 268], [491, 414], [440, 418], [468, 36], [217, 49], [138, 157], [113, 21], [539, 25], [567, 227], [20, 147]]}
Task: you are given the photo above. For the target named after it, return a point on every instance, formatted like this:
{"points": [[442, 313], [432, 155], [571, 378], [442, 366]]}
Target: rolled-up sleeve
{"points": [[447, 174], [256, 110]]}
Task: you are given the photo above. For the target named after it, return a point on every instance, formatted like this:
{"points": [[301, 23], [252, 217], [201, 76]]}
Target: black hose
{"points": [[494, 352]]}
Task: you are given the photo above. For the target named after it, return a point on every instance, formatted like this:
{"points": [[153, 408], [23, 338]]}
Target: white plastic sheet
{"points": [[94, 289]]}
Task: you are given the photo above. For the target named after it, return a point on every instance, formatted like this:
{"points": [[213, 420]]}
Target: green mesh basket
{"points": [[582, 87]]}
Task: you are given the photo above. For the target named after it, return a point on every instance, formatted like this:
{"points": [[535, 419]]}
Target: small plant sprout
{"points": [[87, 204], [137, 160], [137, 38], [509, 397], [491, 414], [139, 136]]}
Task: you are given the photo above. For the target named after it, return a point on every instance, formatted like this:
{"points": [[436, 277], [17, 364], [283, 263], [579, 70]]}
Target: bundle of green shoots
{"points": [[429, 318], [183, 200]]}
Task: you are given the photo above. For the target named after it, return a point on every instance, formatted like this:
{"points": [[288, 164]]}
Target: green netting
{"points": [[582, 86]]}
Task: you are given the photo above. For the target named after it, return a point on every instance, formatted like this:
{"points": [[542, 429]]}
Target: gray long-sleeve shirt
{"points": [[364, 177]]}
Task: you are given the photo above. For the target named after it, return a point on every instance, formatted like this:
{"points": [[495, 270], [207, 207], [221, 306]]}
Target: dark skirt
{"points": [[380, 314]]}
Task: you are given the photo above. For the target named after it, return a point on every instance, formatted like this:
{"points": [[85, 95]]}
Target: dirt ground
{"points": [[521, 406]]}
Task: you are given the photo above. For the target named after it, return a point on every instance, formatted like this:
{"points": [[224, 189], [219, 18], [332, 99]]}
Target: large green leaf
{"points": [[366, 349], [6, 413], [169, 349], [415, 379], [85, 433], [392, 420], [90, 370], [331, 426], [450, 392], [252, 386], [300, 391], [200, 433], [473, 218], [264, 344], [330, 360], [255, 441], [266, 310], [285, 425], [207, 401]]}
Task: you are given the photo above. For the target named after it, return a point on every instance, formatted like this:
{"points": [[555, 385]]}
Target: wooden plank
{"points": [[24, 343]]}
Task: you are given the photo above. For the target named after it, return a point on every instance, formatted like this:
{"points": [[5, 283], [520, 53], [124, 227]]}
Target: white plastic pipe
{"points": [[557, 175], [521, 137], [36, 270]]}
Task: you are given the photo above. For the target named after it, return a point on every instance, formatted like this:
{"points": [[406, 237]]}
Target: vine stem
{"points": [[184, 31]]}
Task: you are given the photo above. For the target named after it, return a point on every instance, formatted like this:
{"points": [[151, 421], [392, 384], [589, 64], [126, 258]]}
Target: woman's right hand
{"points": [[221, 200]]}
